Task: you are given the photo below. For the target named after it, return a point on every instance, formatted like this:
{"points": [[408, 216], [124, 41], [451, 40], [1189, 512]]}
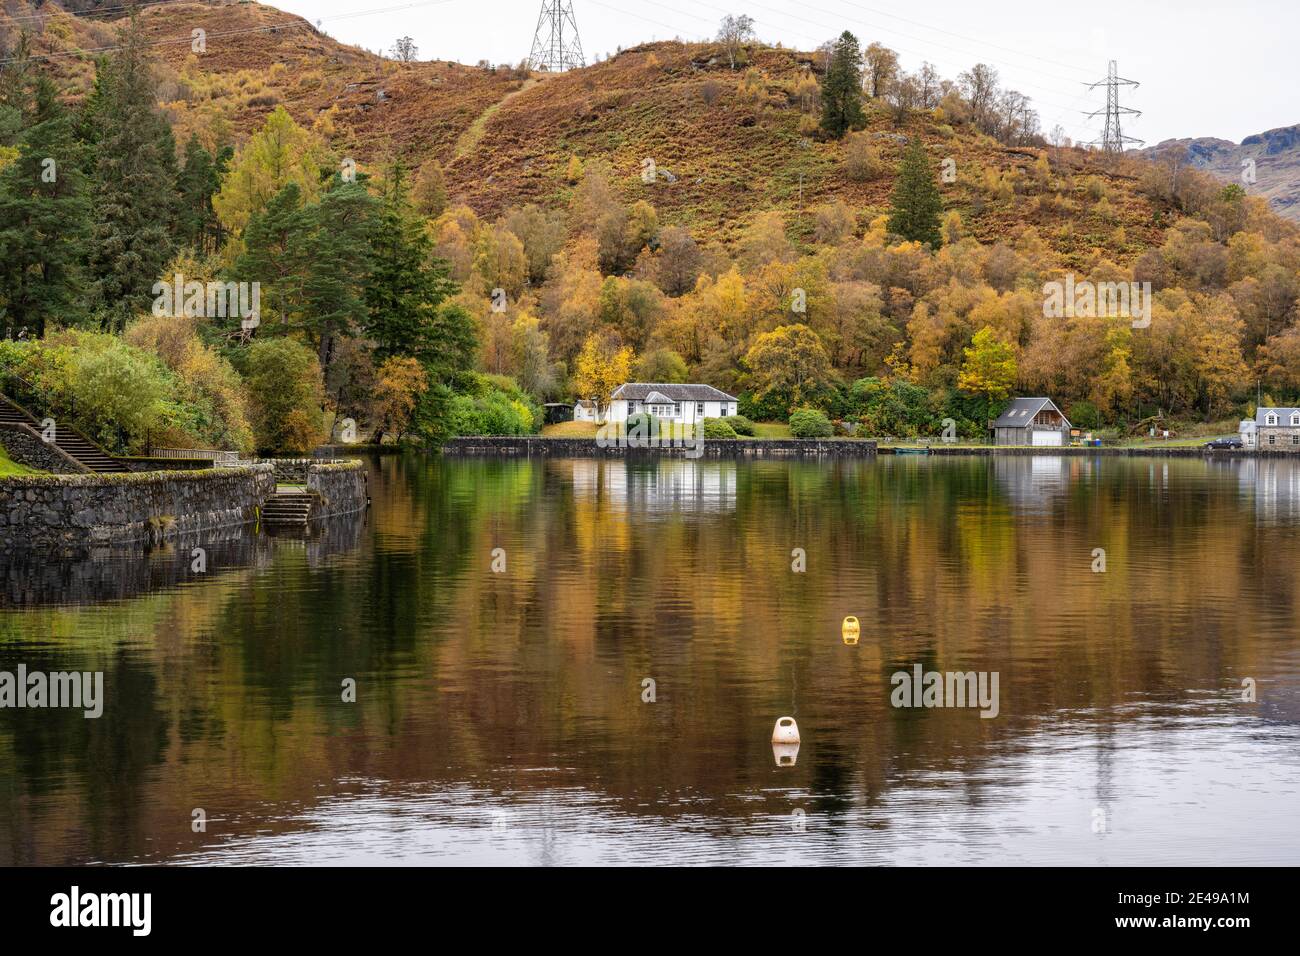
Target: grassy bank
{"points": [[11, 469]]}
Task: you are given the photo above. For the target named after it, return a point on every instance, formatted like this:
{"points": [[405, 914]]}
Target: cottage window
{"points": [[1272, 439], [724, 410], [1295, 419], [699, 409], [1270, 420]]}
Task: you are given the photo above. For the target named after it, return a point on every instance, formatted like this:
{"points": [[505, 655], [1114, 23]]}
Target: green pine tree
{"points": [[197, 225], [407, 285], [275, 255], [313, 261], [44, 217], [917, 205], [842, 88], [339, 254], [134, 193]]}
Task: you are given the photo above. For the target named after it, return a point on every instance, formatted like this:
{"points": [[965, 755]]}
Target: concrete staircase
{"points": [[88, 454], [288, 509]]}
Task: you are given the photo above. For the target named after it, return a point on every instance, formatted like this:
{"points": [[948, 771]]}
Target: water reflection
{"points": [[100, 574], [500, 716], [645, 486]]}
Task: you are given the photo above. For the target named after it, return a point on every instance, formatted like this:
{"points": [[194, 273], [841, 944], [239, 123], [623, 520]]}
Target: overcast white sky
{"points": [[1206, 68]]}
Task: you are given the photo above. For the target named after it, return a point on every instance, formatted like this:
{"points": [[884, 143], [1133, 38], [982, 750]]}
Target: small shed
{"points": [[1031, 421], [586, 410], [557, 412]]}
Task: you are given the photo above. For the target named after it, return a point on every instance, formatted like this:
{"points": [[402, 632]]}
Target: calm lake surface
{"points": [[499, 716]]}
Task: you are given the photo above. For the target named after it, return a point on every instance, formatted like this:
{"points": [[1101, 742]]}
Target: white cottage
{"points": [[687, 404]]}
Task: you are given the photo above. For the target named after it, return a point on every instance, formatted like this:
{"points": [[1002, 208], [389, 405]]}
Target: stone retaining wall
{"points": [[69, 512], [1144, 451], [713, 448], [340, 487], [23, 444]]}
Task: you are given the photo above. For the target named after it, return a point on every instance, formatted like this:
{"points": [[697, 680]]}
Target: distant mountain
{"points": [[1277, 163]]}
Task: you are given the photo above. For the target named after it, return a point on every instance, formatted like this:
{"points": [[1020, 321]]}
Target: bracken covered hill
{"points": [[505, 137]]}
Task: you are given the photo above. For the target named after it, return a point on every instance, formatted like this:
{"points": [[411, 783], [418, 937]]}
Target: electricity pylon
{"points": [[556, 46], [1113, 139]]}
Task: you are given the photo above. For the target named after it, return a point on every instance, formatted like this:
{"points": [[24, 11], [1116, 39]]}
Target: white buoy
{"points": [[785, 754], [786, 731]]}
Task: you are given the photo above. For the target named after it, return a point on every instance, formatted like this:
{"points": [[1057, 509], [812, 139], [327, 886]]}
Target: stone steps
{"points": [[73, 445], [288, 509]]}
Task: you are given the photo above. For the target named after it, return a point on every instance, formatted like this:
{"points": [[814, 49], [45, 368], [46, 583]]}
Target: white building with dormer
{"points": [[1276, 429], [687, 404]]}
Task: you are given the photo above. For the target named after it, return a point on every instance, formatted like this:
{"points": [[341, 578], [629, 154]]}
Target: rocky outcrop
{"points": [[1276, 156]]}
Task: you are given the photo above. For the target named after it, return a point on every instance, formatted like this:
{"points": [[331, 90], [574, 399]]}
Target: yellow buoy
{"points": [[850, 630]]}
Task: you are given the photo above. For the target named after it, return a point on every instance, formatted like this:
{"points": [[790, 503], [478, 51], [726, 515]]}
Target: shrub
{"points": [[286, 392], [861, 161], [1084, 414], [771, 407], [718, 428], [118, 393], [897, 407], [741, 425], [204, 380], [810, 423], [126, 392], [494, 407]]}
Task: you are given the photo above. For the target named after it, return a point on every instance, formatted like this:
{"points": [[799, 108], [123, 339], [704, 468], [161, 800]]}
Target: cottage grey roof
{"points": [[1020, 413], [641, 392], [1283, 415]]}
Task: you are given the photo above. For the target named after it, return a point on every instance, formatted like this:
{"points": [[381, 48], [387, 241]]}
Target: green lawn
{"points": [[771, 430], [11, 469], [570, 430]]}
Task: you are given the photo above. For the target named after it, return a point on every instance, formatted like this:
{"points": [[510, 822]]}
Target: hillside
{"points": [[531, 258], [732, 145], [1277, 163]]}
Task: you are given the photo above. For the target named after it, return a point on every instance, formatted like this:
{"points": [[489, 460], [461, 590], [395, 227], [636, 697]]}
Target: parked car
{"points": [[1223, 443]]}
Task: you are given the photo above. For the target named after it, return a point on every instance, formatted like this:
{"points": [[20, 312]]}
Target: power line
{"points": [[1060, 117], [960, 36]]}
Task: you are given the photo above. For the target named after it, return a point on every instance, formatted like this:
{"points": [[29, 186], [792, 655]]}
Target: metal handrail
{"points": [[31, 391]]}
